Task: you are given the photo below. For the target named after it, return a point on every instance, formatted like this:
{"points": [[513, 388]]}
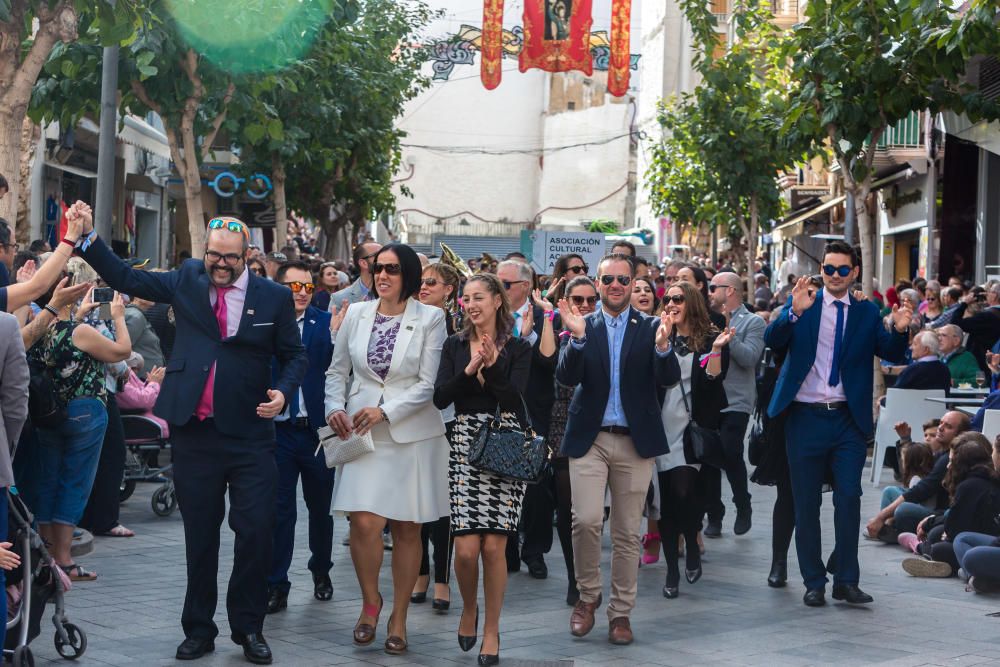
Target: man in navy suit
{"points": [[296, 453], [826, 387], [617, 359], [220, 402]]}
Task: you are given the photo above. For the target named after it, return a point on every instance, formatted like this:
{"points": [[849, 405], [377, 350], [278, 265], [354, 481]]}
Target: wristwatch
{"points": [[385, 417]]}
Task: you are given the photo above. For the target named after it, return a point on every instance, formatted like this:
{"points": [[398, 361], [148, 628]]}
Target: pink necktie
{"points": [[206, 405]]}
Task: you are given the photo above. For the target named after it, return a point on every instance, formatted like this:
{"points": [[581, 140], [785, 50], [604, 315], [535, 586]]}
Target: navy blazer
{"points": [[319, 351], [643, 371], [865, 337], [243, 362]]}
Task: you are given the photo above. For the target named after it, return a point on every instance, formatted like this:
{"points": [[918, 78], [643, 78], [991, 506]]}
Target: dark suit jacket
{"points": [[542, 395], [319, 351], [864, 338], [243, 362], [643, 371], [925, 375]]}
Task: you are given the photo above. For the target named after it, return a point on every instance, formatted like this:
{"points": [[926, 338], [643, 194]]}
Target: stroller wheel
{"points": [[126, 490], [22, 657], [164, 500], [77, 642]]}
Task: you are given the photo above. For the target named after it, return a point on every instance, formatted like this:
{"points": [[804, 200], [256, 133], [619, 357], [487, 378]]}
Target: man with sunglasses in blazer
{"points": [[220, 401], [825, 390], [617, 359]]}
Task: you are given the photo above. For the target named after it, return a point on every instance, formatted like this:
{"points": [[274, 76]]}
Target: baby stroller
{"points": [[37, 583], [144, 441]]}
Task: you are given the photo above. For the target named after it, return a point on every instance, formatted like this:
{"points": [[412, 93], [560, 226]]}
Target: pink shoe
{"points": [[648, 541], [909, 541]]}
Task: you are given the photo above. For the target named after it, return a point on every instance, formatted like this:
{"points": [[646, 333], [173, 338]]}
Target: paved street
{"points": [[730, 617]]}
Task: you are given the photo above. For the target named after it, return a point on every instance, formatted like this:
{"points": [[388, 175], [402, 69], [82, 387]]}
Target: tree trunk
{"points": [[10, 158], [30, 134], [866, 236], [280, 203]]}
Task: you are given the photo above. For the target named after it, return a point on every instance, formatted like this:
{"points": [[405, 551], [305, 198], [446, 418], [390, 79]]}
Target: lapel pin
{"points": [[409, 328], [250, 311], [312, 321], [634, 321]]}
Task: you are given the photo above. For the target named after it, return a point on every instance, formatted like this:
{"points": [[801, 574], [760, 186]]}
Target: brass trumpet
{"points": [[451, 258]]}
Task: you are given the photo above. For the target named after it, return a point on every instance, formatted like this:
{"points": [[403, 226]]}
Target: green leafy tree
{"points": [[861, 66], [29, 31]]}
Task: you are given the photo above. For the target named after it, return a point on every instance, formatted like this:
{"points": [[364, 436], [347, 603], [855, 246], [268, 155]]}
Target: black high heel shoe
{"points": [[487, 660], [694, 574], [671, 588], [466, 642]]}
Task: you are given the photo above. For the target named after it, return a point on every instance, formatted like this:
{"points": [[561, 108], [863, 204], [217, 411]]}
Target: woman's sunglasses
{"points": [[391, 269], [676, 298], [430, 282], [259, 271], [622, 280], [297, 287], [578, 270], [580, 300]]}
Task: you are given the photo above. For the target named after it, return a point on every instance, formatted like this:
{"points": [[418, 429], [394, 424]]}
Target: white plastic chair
{"points": [[991, 425], [902, 405]]}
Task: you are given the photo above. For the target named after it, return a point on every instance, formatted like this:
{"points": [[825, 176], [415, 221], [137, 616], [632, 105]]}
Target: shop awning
{"points": [[137, 132], [788, 225], [73, 170]]}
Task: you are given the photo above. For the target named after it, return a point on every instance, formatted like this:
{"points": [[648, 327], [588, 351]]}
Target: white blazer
{"points": [[407, 392]]}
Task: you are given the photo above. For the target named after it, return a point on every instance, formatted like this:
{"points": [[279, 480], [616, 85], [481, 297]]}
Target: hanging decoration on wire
{"points": [[491, 46], [557, 36], [620, 58]]}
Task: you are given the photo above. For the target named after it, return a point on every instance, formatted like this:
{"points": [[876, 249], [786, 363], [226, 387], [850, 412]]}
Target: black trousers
{"points": [[733, 429], [101, 513], [536, 520], [206, 464], [437, 533]]}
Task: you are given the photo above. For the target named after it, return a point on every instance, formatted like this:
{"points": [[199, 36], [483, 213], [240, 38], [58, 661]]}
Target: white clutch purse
{"points": [[339, 451]]}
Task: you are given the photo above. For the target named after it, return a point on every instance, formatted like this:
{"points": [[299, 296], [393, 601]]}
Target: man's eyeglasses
{"points": [[579, 269], [843, 270], [580, 300], [230, 224], [15, 246], [297, 287], [391, 269], [230, 258], [622, 280], [507, 284]]}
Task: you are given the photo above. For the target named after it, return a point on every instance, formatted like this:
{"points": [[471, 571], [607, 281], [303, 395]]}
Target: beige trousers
{"points": [[611, 462]]}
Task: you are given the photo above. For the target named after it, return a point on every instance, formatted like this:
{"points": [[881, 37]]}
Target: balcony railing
{"points": [[908, 133], [785, 7]]}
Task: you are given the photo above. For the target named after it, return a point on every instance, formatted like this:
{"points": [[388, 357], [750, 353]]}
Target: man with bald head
{"points": [[725, 292], [912, 507]]}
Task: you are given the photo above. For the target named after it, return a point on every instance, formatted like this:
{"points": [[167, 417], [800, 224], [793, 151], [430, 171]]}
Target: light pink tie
{"points": [[206, 406]]}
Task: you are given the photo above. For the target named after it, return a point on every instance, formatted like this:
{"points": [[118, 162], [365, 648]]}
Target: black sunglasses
{"points": [[507, 284], [676, 298], [712, 288], [578, 269], [622, 280], [843, 270], [580, 300], [391, 269]]}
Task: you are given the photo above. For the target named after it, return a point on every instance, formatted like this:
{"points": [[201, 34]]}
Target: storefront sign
{"points": [[896, 200], [547, 247], [803, 194]]}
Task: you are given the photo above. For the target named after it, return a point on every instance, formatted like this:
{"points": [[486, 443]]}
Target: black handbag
{"points": [[516, 454], [701, 445]]}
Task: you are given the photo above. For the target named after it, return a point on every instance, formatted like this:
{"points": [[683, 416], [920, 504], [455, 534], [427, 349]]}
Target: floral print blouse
{"points": [[382, 342]]}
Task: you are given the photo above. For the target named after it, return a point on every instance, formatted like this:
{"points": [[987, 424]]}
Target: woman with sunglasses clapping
{"points": [[699, 397], [392, 347]]}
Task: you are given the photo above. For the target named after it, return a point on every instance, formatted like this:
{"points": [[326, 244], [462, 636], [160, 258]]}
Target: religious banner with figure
{"points": [[557, 36], [491, 44], [620, 59]]}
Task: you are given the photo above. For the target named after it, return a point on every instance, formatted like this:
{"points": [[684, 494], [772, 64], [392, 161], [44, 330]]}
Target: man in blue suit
{"points": [[826, 387], [617, 359], [296, 453], [220, 402]]}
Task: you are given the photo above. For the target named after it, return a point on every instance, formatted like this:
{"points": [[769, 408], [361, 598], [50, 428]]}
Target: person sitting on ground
{"points": [[909, 509], [916, 462], [926, 371], [973, 484], [962, 366]]}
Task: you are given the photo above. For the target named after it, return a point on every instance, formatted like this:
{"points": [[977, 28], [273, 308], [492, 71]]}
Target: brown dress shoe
{"points": [[581, 621], [620, 631]]}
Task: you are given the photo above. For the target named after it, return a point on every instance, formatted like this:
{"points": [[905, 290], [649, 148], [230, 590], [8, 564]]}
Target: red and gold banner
{"points": [[620, 60], [557, 36], [491, 44]]}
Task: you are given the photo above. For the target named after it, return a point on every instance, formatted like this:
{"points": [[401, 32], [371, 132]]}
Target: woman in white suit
{"points": [[389, 350]]}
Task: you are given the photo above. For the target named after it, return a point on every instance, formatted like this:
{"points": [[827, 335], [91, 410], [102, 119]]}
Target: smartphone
{"points": [[103, 296]]}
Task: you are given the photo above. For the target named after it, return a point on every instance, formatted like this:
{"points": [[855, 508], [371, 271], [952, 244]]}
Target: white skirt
{"points": [[402, 482]]}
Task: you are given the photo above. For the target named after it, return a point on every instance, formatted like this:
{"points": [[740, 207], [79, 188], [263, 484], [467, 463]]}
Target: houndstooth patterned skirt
{"points": [[480, 502]]}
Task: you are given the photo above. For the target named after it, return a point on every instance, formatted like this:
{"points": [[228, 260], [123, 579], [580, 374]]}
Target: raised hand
{"points": [[803, 296], [724, 338], [903, 430], [63, 295], [901, 318], [664, 331], [540, 300], [489, 351], [475, 363], [87, 305], [572, 320], [337, 316], [79, 220], [528, 323], [117, 306], [25, 273]]}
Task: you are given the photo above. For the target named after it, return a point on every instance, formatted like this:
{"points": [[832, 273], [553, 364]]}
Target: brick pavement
{"points": [[730, 617]]}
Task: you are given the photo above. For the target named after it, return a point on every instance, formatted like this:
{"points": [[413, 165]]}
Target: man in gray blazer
{"points": [[13, 397], [360, 288], [726, 295]]}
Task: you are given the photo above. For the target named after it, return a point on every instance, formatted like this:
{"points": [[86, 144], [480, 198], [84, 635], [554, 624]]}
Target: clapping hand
{"points": [[723, 339], [273, 407], [337, 315], [903, 430], [665, 331], [572, 320], [489, 351], [803, 296], [528, 323], [475, 363], [540, 300], [25, 273], [901, 318], [155, 375]]}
